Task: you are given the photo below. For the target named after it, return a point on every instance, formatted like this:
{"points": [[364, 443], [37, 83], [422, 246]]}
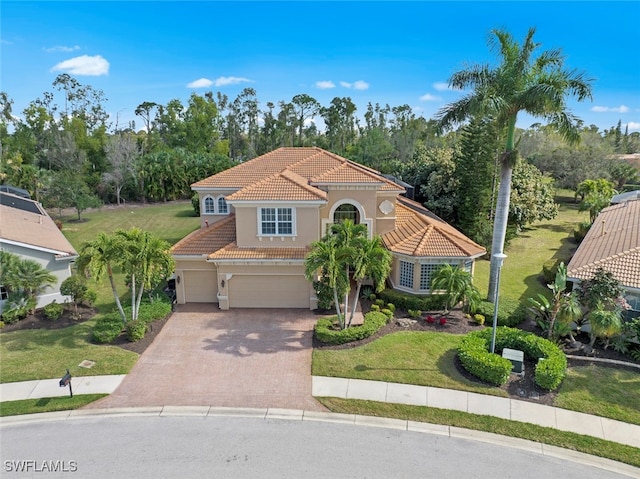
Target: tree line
{"points": [[65, 152]]}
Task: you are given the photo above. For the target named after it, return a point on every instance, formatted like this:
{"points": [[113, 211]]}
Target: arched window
{"points": [[346, 211], [223, 209], [209, 206]]}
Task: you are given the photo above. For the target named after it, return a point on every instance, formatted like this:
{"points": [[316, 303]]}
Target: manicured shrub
{"points": [[430, 319], [479, 318], [53, 311], [375, 307], [443, 321], [326, 332], [379, 302], [372, 297], [1, 324], [17, 307], [388, 313], [475, 356], [408, 301], [391, 307], [107, 328], [136, 330], [510, 313], [150, 312], [414, 313]]}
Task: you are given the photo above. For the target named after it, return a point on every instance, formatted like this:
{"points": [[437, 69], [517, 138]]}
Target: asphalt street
{"points": [[236, 447]]}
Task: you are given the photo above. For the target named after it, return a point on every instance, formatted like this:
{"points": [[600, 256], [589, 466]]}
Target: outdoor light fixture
{"points": [[499, 258], [222, 283]]}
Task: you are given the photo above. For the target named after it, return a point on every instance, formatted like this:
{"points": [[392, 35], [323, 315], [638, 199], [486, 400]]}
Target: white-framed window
{"points": [[277, 221], [223, 208], [427, 270], [4, 294], [215, 206], [406, 274], [209, 206], [468, 265]]}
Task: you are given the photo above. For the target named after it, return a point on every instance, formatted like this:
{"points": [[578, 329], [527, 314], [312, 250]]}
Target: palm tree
{"points": [[324, 257], [24, 277], [98, 257], [371, 260], [146, 259], [520, 83], [604, 323], [456, 283]]}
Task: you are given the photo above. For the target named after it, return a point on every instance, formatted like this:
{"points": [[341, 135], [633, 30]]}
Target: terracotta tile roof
{"points": [[33, 229], [613, 243], [420, 233], [232, 251], [299, 165], [284, 186], [204, 241]]}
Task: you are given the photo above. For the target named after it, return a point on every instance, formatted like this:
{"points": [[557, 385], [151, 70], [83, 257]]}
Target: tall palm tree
{"points": [[370, 260], [99, 257], [324, 257], [520, 83]]}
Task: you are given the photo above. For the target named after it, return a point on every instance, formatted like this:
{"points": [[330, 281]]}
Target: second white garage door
{"points": [[268, 291]]}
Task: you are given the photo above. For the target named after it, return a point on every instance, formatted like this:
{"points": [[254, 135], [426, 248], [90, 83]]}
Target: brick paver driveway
{"points": [[237, 358]]}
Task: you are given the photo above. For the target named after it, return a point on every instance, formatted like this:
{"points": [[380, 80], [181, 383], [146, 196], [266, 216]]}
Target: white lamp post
{"points": [[499, 258]]}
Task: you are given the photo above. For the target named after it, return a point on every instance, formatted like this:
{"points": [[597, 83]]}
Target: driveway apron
{"points": [[236, 358]]}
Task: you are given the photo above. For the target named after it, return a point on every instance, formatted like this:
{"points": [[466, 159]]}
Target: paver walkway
{"points": [[204, 356]]}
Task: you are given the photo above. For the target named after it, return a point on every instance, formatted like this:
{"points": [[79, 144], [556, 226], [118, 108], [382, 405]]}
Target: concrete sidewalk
{"points": [[512, 409], [48, 388], [505, 408]]}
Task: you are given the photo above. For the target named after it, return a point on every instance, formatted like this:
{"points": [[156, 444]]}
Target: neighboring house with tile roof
{"points": [[259, 218], [612, 243], [29, 232]]}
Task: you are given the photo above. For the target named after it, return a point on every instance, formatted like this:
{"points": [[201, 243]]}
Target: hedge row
{"points": [[475, 356], [326, 333], [407, 301]]}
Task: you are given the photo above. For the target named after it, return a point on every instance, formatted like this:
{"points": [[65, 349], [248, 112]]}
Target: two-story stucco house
{"points": [[29, 232], [259, 218]]}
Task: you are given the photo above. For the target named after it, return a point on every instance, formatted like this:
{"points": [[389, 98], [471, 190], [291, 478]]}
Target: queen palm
{"points": [[520, 83]]}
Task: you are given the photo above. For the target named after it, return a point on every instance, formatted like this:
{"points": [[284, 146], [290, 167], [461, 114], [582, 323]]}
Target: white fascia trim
{"points": [[291, 204], [34, 247], [431, 258], [257, 262], [190, 257], [72, 257], [214, 190]]}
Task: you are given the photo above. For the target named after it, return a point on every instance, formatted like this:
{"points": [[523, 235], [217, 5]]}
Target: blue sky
{"points": [[381, 52]]}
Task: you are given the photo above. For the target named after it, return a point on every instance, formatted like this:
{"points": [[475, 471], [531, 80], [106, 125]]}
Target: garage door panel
{"points": [[201, 286], [268, 291]]}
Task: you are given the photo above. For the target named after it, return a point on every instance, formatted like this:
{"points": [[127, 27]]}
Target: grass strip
{"points": [[568, 440], [33, 406]]}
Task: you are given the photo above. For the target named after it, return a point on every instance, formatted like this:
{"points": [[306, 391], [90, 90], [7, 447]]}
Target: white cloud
{"points": [[201, 83], [430, 97], [614, 109], [361, 85], [62, 48], [633, 126], [345, 84], [325, 84], [224, 81], [441, 86], [84, 65]]}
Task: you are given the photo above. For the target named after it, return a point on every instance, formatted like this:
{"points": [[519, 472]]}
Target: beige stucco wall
{"points": [[306, 228], [198, 281]]}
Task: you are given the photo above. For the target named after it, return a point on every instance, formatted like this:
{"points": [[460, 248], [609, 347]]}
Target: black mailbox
{"points": [[66, 379]]}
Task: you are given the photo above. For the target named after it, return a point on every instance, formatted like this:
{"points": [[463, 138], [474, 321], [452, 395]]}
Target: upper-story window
{"points": [[346, 211], [277, 221], [215, 206]]}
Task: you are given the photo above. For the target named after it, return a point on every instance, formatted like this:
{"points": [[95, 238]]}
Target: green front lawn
{"points": [[33, 406]]}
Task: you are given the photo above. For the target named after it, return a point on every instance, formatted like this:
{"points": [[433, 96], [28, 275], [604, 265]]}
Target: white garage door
{"points": [[268, 291], [200, 286]]}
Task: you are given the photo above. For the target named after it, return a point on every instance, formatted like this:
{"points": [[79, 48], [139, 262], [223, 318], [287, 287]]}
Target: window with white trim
{"points": [[209, 206], [223, 208], [276, 221], [427, 270], [468, 265], [406, 274]]}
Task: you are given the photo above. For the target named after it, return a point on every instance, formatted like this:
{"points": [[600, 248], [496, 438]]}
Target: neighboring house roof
{"points": [[303, 166], [205, 240], [612, 243], [419, 232], [628, 196], [25, 223]]}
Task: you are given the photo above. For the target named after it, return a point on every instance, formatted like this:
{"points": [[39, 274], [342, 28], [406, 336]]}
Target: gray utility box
{"points": [[516, 357]]}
